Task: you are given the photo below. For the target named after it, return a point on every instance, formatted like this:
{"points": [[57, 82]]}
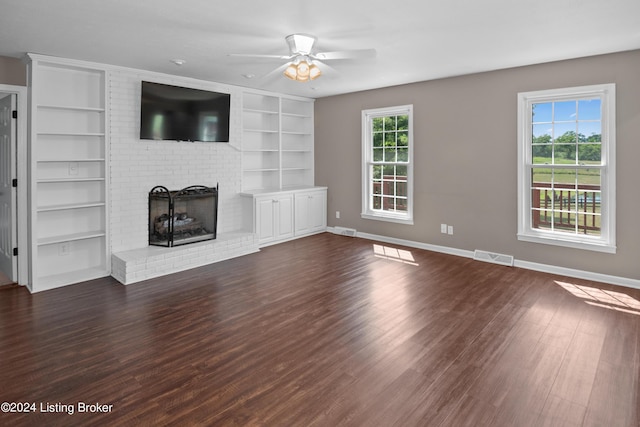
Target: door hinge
{"points": [[15, 251], [14, 183], [14, 114]]}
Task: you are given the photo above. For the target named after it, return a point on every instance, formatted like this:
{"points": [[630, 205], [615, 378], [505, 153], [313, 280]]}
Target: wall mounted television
{"points": [[176, 113]]}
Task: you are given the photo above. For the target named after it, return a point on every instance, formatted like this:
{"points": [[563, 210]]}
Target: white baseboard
{"points": [[545, 268]]}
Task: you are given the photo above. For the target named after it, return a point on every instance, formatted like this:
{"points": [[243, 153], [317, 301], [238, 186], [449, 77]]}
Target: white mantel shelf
{"points": [[153, 261]]}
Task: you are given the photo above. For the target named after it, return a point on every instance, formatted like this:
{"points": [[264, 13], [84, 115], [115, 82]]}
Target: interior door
{"points": [[8, 235]]}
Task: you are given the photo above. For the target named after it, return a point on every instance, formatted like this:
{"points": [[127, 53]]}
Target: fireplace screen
{"points": [[180, 217]]}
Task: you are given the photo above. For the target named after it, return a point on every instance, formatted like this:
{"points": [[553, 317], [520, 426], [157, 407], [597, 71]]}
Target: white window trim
{"points": [[367, 140], [606, 242]]}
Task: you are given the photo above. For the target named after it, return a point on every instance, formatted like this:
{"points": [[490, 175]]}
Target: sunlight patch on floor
{"points": [[597, 297], [400, 255]]}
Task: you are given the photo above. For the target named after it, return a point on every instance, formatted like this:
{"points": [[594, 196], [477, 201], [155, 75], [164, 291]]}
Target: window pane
{"points": [[564, 154], [378, 124], [541, 133], [589, 224], [403, 154], [377, 139], [401, 172], [589, 109], [401, 188], [390, 123], [541, 112], [377, 187], [588, 201], [403, 122], [589, 177], [565, 132], [564, 111], [589, 153], [564, 177], [403, 139], [590, 131], [378, 154], [389, 154], [377, 202], [377, 172], [390, 139], [541, 154], [540, 175], [389, 170]]}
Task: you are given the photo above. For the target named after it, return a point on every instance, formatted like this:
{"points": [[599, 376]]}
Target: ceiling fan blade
{"points": [[346, 54], [251, 55], [275, 72]]}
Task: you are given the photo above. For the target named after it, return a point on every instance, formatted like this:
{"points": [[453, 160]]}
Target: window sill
{"points": [[597, 246], [388, 218]]}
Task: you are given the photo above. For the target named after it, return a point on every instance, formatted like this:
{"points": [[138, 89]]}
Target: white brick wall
{"points": [[152, 261], [139, 165]]}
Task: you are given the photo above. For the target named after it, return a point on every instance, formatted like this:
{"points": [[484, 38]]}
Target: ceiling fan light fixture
{"points": [[291, 71], [302, 71], [314, 72]]}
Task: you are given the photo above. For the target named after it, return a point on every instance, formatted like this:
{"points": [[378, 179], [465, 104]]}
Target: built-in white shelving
{"points": [[280, 199], [69, 172], [277, 143]]}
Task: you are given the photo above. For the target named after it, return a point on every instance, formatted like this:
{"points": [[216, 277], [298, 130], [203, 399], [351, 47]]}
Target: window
{"points": [[387, 168], [566, 167]]}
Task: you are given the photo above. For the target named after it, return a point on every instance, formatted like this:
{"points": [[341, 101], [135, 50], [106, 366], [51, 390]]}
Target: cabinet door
{"points": [[318, 211], [310, 212], [265, 219], [274, 218], [284, 216], [302, 213]]}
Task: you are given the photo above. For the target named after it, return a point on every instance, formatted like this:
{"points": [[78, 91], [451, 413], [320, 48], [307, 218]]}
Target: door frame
{"points": [[23, 181]]}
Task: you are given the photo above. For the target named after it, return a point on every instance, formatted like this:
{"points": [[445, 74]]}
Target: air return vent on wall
{"points": [[493, 258]]}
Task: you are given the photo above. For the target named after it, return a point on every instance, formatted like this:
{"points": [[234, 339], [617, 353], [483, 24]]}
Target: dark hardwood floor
{"points": [[326, 331]]}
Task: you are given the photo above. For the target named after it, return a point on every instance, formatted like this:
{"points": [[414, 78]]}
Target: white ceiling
{"points": [[415, 40]]}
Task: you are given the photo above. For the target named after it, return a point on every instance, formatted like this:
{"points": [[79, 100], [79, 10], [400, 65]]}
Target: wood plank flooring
{"points": [[327, 331]]}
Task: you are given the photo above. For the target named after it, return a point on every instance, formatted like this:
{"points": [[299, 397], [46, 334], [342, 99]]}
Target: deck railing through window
{"points": [[564, 204], [390, 194]]}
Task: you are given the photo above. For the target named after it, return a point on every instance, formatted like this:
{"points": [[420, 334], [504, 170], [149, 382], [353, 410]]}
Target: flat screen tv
{"points": [[183, 114]]}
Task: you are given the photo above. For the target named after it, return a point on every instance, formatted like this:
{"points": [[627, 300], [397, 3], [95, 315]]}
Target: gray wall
{"points": [[465, 157], [12, 71]]}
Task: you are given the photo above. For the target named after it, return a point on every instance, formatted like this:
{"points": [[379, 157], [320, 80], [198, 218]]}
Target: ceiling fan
{"points": [[303, 60]]}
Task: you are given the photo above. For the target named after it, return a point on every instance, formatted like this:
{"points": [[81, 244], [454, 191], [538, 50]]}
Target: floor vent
{"points": [[343, 231], [493, 258]]}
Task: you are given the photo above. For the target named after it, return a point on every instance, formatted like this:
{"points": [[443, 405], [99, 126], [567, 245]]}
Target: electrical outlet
{"points": [[338, 214], [443, 228], [450, 229]]}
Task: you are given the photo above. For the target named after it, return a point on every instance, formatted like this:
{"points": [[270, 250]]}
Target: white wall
{"points": [[139, 165]]}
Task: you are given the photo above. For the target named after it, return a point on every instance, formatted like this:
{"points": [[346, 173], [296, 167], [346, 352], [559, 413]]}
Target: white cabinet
{"points": [[274, 217], [283, 215], [310, 212], [277, 142], [68, 172]]}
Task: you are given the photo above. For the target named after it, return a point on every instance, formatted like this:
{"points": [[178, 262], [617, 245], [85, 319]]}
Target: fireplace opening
{"points": [[180, 217]]}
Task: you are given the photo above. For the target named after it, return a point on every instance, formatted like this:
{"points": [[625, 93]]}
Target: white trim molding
{"points": [[528, 265]]}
